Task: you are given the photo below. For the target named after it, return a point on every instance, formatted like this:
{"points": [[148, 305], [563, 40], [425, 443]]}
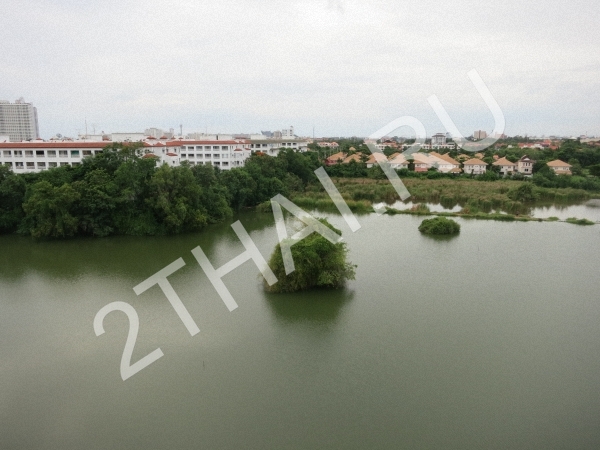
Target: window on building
{"points": [[63, 153], [74, 153]]}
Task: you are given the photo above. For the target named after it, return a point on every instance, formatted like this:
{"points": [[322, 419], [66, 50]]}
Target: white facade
{"points": [[128, 137], [271, 146], [18, 120], [288, 133], [438, 139], [25, 157]]}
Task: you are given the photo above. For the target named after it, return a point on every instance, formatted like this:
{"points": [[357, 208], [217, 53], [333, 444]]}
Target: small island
{"points": [[318, 264], [439, 226]]}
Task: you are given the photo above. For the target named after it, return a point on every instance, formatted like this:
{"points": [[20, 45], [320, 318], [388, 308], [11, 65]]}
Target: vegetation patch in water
{"points": [[577, 221], [439, 226], [318, 264]]}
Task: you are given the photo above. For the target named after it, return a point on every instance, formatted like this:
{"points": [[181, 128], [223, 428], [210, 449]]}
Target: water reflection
{"points": [[115, 256], [315, 307], [440, 238]]}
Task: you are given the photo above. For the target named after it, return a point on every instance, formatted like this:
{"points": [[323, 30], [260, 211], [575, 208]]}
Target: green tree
{"points": [[175, 199], [524, 193], [318, 263], [49, 211], [12, 194], [97, 193]]}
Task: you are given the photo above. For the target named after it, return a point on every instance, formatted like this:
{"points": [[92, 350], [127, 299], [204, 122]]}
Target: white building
{"points": [[128, 137], [35, 156], [438, 139], [18, 120], [288, 133], [474, 166]]}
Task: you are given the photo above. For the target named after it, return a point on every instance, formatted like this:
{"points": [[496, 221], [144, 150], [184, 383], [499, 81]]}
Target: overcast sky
{"points": [[344, 67]]}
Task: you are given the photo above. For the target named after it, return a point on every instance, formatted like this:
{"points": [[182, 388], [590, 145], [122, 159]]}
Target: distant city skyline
{"points": [[343, 67]]}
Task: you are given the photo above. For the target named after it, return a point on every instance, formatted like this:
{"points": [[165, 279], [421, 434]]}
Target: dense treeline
{"points": [[122, 192]]}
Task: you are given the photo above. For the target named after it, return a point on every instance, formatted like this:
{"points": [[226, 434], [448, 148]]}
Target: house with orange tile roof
{"points": [[375, 157], [398, 161], [474, 166], [356, 157], [446, 163], [560, 167], [335, 158], [505, 166]]}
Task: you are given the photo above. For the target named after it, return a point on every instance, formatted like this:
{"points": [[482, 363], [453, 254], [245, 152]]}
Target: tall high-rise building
{"points": [[18, 120], [479, 134]]}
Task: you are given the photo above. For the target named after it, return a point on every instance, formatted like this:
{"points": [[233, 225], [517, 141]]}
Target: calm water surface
{"points": [[486, 340]]}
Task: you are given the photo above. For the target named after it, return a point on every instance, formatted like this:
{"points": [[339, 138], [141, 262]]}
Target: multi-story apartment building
{"points": [[18, 120], [38, 155], [479, 134]]}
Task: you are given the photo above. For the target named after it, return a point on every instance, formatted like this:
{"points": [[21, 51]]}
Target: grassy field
{"points": [[472, 196]]}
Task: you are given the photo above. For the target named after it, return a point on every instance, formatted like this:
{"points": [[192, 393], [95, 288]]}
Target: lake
{"points": [[490, 339], [589, 209]]}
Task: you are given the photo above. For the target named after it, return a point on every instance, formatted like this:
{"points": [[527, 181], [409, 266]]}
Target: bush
{"points": [[576, 221], [318, 263], [439, 226]]}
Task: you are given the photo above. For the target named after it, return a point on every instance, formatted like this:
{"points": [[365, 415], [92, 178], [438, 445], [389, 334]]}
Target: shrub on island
{"points": [[439, 226], [318, 264]]}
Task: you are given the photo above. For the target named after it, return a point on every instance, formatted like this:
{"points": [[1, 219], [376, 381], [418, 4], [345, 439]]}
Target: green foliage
{"points": [[318, 264], [577, 221], [175, 199], [120, 192], [49, 210], [523, 193], [12, 194], [439, 226]]}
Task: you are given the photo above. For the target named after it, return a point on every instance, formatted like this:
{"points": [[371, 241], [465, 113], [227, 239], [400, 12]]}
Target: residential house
{"points": [[525, 165], [335, 158], [447, 164], [560, 167], [506, 167], [398, 161], [474, 166], [375, 158], [356, 157]]}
